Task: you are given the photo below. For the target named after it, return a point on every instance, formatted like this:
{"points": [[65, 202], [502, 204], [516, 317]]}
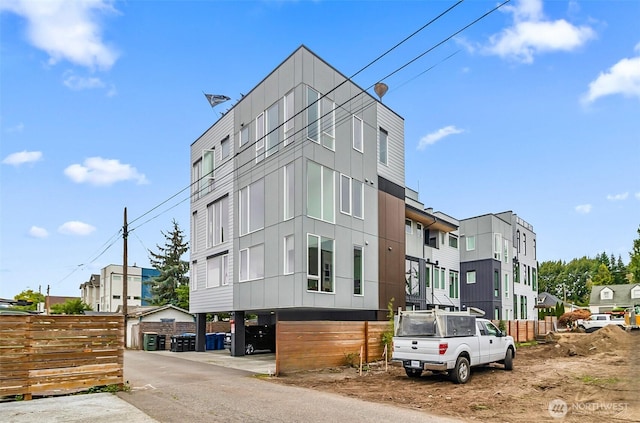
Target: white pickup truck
{"points": [[450, 342], [598, 321]]}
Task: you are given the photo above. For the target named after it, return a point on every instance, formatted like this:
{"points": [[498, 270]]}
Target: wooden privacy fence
{"points": [[320, 344], [529, 330], [54, 355]]}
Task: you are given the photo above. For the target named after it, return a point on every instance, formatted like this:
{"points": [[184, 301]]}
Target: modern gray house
{"points": [[298, 203], [498, 266]]}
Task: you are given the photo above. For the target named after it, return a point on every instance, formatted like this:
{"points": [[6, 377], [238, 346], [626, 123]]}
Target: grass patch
{"points": [[593, 380], [526, 344], [125, 387]]}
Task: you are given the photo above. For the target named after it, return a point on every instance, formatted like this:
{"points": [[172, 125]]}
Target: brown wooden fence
{"points": [[529, 330], [320, 344], [56, 355]]}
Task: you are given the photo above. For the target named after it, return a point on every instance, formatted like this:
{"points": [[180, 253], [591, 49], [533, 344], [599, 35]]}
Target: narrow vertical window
{"points": [[496, 284], [196, 175], [213, 272], [260, 137], [193, 282], [408, 226], [313, 262], [225, 270], [506, 285], [358, 131], [289, 191], [194, 232], [272, 130], [497, 247], [313, 114], [328, 124], [524, 243], [319, 263], [412, 277], [252, 207], [289, 254], [382, 146], [210, 224], [357, 189], [320, 192], [345, 194], [471, 243], [208, 166], [358, 270], [244, 265], [225, 146], [244, 135], [288, 118], [505, 255]]}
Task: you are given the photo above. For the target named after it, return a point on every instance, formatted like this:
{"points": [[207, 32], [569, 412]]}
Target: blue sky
{"points": [[535, 108]]}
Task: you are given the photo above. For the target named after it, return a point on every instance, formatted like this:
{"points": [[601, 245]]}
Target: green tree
{"points": [[71, 306], [172, 285], [619, 272], [29, 296], [634, 263], [602, 276]]}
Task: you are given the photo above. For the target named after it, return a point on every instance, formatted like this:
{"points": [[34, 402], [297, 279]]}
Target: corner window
{"points": [[320, 192], [252, 263], [382, 146], [358, 134], [320, 119], [319, 264], [471, 276]]}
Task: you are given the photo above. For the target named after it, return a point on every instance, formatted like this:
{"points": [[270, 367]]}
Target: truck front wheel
{"points": [[461, 372], [508, 360], [413, 372]]}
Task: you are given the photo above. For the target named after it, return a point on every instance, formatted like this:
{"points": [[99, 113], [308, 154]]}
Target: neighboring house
{"points": [[110, 291], [157, 314], [498, 266], [432, 262], [547, 301], [90, 292], [298, 202], [605, 298]]}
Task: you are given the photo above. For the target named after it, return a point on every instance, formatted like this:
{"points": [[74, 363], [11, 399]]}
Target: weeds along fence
{"points": [[57, 355], [320, 344]]}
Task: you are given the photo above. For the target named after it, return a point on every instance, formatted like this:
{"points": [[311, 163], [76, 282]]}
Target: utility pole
{"points": [[125, 268]]}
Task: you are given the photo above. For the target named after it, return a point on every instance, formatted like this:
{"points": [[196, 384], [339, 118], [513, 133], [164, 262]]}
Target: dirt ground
{"points": [[574, 377]]}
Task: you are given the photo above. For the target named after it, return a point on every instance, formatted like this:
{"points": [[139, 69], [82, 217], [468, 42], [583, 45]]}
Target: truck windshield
{"points": [[416, 325]]}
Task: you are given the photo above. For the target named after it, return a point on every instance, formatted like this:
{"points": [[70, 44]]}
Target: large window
{"points": [[471, 243], [252, 207], [320, 119], [320, 192], [454, 284], [497, 247], [358, 270], [272, 129], [252, 263], [289, 254], [471, 276], [260, 137], [288, 118], [289, 191], [217, 271], [412, 277], [382, 146], [217, 222], [358, 134], [319, 264]]}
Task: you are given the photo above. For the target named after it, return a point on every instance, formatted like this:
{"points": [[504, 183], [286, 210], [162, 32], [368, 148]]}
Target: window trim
{"points": [[471, 242], [469, 273], [386, 146], [323, 169], [345, 178], [247, 268], [319, 277], [285, 266], [358, 122], [248, 207]]}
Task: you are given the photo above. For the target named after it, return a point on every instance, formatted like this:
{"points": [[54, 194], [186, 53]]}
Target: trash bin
{"points": [[220, 340], [150, 340], [177, 343], [191, 339], [211, 341], [161, 342]]}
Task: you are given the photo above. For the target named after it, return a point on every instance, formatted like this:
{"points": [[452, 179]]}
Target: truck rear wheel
{"points": [[413, 372], [461, 372], [508, 360]]}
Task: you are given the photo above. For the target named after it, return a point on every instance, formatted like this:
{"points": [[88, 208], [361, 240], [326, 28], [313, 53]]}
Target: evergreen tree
{"points": [[172, 285], [619, 272], [634, 263], [602, 276]]}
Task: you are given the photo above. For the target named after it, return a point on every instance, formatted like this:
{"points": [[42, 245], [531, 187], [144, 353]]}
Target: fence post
{"points": [[366, 341]]}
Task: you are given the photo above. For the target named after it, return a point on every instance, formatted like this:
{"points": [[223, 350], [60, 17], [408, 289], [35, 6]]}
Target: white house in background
{"points": [[90, 292], [162, 314], [606, 297]]}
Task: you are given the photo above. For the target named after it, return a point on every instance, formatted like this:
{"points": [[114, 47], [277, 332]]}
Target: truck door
{"points": [[496, 342], [485, 343]]}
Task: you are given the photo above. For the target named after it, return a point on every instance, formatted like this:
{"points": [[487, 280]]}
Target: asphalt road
{"points": [[172, 389]]}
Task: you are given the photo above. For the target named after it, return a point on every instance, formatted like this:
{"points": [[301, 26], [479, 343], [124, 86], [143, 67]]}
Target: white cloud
{"points": [[38, 232], [618, 197], [622, 78], [78, 83], [22, 157], [583, 208], [531, 34], [67, 29], [99, 171], [436, 136], [75, 227]]}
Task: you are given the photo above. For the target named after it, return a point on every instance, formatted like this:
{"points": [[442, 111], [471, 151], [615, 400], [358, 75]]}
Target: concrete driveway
{"points": [[173, 388]]}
